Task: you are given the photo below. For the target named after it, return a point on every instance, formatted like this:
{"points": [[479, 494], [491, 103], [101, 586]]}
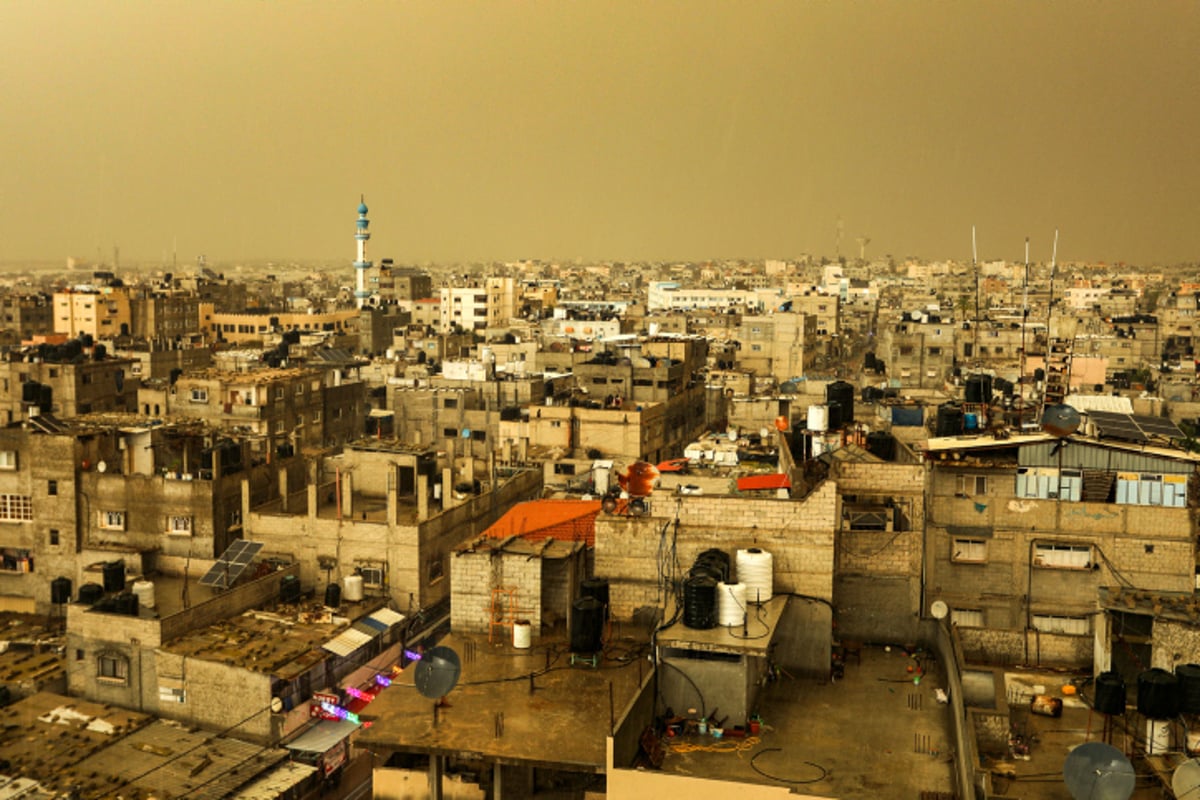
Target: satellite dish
{"points": [[1185, 783], [437, 672], [1060, 419], [939, 609], [1098, 771], [101, 467], [276, 705], [466, 433]]}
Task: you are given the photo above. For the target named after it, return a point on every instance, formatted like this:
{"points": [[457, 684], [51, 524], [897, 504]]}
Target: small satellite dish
{"points": [[437, 672], [466, 433], [276, 705], [939, 609], [101, 467], [1099, 771], [1060, 419], [1185, 783]]}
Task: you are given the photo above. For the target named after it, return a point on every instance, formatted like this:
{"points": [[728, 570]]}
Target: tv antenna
{"points": [[863, 241]]}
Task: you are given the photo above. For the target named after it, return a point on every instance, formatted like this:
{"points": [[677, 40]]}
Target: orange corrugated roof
{"points": [[565, 520]]}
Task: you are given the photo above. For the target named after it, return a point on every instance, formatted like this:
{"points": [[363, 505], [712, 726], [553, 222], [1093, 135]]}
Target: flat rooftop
{"points": [[262, 641], [872, 733], [562, 724]]}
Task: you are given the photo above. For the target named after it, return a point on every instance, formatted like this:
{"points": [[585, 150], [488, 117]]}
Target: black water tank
{"points": [[700, 602], [882, 444], [91, 593], [60, 591], [598, 589], [1189, 688], [30, 392], [842, 393], [1110, 693], [979, 389], [46, 399], [718, 560], [333, 595], [114, 576], [836, 416], [1158, 694], [949, 420], [587, 625], [289, 589], [869, 360], [1039, 374], [127, 603]]}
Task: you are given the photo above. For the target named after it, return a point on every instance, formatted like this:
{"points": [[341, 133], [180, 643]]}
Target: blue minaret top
{"points": [[363, 222]]}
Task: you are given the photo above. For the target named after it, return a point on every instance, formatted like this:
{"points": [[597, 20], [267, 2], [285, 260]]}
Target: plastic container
{"points": [[522, 634]]}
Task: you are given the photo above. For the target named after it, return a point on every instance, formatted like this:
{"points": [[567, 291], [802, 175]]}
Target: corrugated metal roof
{"points": [[387, 617], [1100, 402], [347, 642], [322, 736]]}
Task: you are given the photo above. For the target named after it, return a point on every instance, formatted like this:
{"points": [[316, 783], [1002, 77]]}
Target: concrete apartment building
{"points": [[286, 407], [919, 353], [245, 327], [163, 314], [779, 345], [1024, 532], [478, 306], [387, 512], [118, 487], [27, 315], [102, 312], [66, 380]]}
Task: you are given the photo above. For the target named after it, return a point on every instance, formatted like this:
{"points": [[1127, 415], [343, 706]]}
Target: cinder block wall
{"points": [[799, 534], [473, 577]]}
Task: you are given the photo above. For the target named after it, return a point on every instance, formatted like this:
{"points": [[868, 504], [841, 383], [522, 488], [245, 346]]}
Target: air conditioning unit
{"points": [[372, 576]]}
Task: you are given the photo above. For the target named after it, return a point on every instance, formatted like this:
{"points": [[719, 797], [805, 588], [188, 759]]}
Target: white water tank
{"points": [[144, 591], [818, 418], [352, 588], [522, 634], [755, 569]]}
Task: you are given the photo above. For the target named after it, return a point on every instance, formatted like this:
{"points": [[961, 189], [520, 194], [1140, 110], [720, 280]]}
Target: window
{"points": [[54, 537], [179, 526], [112, 520], [52, 488], [1062, 556], [968, 551], [564, 469], [15, 559], [316, 417], [971, 485], [450, 433], [112, 668], [8, 459], [450, 402], [372, 576], [278, 392], [199, 395], [299, 388], [16, 508], [435, 568], [967, 617], [279, 426], [478, 436], [1052, 623]]}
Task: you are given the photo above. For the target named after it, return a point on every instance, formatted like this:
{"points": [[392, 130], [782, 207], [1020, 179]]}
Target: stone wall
{"points": [[1032, 648], [474, 576]]}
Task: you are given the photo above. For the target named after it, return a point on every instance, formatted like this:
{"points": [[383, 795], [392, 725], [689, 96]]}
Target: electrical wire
{"points": [[719, 746], [824, 773]]}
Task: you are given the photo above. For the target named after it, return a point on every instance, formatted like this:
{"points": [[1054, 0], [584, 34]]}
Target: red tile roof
{"points": [[565, 520]]}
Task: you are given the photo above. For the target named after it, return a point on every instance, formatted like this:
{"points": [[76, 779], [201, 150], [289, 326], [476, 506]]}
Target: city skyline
{"points": [[623, 131]]}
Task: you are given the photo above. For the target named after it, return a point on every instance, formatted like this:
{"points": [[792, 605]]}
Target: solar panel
{"points": [[1116, 426], [1158, 426], [1133, 427], [47, 424], [231, 564]]}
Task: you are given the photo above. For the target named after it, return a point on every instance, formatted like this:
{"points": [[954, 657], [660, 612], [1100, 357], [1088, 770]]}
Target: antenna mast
{"points": [[975, 266], [1024, 322]]}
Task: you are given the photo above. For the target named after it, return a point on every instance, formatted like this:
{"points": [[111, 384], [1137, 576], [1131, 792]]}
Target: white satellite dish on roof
{"points": [[939, 609], [101, 467]]}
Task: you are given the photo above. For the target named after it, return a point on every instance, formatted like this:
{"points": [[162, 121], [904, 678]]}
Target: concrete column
{"points": [[436, 766], [506, 451], [497, 783], [312, 499], [422, 498], [448, 500], [245, 504], [283, 488], [393, 488], [523, 448], [347, 495]]}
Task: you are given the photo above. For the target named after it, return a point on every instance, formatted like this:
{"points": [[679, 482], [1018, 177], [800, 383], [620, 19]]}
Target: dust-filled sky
{"points": [[639, 129]]}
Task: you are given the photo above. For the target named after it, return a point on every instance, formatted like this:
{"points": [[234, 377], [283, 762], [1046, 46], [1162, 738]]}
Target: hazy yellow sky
{"points": [[624, 130]]}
